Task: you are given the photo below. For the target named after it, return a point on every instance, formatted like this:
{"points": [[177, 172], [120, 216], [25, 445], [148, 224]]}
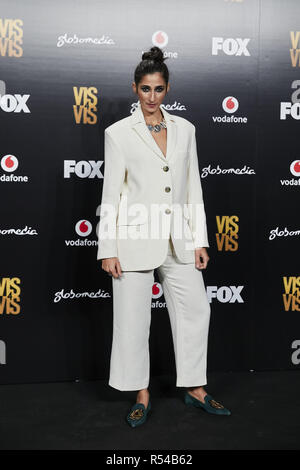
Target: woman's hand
{"points": [[201, 258], [112, 267]]}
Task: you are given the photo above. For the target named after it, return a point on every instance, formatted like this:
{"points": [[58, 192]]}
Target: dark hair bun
{"points": [[155, 54]]}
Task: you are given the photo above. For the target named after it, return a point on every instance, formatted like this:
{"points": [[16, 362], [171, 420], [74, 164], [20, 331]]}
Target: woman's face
{"points": [[151, 90]]}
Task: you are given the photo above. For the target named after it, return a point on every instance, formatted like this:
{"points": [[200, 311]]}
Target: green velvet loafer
{"points": [[210, 405], [138, 414]]}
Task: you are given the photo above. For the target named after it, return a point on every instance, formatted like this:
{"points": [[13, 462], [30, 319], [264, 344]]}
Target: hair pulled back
{"points": [[152, 61]]}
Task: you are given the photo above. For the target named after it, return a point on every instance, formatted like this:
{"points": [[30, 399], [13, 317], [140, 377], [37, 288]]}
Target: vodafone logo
{"points": [[157, 290], [9, 163], [295, 168], [83, 228], [230, 104], [160, 39]]}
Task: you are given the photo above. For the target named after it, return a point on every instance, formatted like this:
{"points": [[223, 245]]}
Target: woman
{"points": [[151, 167]]}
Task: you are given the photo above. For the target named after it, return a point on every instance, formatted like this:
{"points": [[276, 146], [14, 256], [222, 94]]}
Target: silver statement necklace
{"points": [[158, 127]]}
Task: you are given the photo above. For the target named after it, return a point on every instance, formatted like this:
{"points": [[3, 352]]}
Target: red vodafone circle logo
{"points": [[230, 104], [9, 163], [160, 39], [83, 228], [157, 290], [295, 168]]}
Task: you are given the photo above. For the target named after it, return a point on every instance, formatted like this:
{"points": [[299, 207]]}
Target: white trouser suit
{"points": [[189, 312]]}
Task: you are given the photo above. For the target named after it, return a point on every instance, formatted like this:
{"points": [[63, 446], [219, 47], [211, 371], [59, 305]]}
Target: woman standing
{"points": [[151, 167]]}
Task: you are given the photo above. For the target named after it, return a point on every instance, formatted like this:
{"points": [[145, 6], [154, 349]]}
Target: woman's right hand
{"points": [[112, 266]]}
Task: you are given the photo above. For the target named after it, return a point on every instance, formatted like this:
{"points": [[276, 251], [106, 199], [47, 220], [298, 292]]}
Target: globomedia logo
{"points": [[83, 229], [75, 40], [63, 294], [230, 105], [295, 171], [9, 164], [176, 106], [71, 295], [218, 170], [283, 233]]}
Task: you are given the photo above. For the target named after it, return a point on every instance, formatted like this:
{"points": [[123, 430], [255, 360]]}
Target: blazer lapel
{"points": [[139, 125]]}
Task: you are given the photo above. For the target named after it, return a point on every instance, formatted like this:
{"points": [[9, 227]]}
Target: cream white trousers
{"points": [[189, 313]]}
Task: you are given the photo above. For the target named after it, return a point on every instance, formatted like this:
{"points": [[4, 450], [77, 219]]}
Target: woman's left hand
{"points": [[201, 258]]}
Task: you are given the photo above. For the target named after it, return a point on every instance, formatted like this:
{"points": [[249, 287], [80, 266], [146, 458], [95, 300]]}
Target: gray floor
{"points": [[91, 415]]}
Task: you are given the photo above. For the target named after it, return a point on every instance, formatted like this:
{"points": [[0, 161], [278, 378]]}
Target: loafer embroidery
{"points": [[215, 404], [137, 414]]}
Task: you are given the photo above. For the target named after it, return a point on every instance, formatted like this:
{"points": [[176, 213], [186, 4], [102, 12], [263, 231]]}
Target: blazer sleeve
{"points": [[197, 220], [114, 175]]}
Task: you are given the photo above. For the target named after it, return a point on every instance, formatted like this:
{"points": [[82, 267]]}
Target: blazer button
{"points": [[166, 168], [167, 189], [167, 211]]}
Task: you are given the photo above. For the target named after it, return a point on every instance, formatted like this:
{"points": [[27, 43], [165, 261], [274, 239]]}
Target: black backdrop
{"points": [[66, 73]]}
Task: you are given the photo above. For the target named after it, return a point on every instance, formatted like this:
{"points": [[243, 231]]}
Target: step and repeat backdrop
{"points": [[66, 70]]}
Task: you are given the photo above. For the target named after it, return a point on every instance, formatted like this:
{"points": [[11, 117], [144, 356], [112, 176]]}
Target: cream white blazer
{"points": [[147, 197]]}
